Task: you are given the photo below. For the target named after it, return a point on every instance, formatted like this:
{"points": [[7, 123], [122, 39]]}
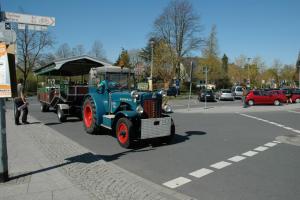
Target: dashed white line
{"points": [[270, 144], [276, 141], [236, 158], [261, 148], [176, 182], [250, 153], [201, 172], [220, 165]]}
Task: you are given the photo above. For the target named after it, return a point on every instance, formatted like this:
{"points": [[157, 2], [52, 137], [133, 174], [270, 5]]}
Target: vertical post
{"points": [[299, 76], [3, 147], [151, 67], [190, 85], [205, 87]]}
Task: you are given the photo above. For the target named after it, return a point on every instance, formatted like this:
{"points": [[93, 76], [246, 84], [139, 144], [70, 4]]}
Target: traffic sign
{"points": [[29, 19]]}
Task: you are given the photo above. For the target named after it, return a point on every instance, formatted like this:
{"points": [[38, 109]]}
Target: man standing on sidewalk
{"points": [[244, 95], [21, 104]]}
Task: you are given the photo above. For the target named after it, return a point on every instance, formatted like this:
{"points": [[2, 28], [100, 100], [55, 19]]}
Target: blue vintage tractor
{"points": [[130, 114]]}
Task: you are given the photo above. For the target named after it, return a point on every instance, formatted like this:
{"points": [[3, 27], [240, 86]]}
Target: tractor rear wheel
{"points": [[124, 132], [89, 116]]}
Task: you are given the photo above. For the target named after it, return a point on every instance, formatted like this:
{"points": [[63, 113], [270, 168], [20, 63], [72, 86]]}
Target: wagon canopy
{"points": [[73, 66]]}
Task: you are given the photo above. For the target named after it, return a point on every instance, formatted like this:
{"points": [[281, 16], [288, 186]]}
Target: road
{"points": [[214, 156]]}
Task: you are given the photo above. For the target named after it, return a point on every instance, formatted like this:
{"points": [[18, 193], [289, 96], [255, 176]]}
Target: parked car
{"points": [[209, 95], [237, 92], [280, 93], [296, 96], [256, 97], [173, 91], [225, 94]]}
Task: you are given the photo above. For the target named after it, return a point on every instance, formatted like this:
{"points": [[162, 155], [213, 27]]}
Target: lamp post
{"points": [[151, 66], [248, 63]]}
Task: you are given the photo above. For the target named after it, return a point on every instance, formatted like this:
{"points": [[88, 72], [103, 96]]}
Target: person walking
{"points": [[244, 95], [21, 104]]}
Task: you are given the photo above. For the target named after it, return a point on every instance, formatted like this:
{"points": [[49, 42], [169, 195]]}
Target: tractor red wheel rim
{"points": [[88, 115], [123, 133]]}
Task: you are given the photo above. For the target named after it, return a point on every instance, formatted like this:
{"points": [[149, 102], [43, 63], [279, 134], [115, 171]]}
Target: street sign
{"points": [[37, 28], [29, 19]]}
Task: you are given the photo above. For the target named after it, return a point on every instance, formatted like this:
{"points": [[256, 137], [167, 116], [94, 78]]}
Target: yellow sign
{"points": [[5, 87]]}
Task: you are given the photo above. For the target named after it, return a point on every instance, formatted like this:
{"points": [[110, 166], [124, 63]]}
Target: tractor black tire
{"points": [[168, 139], [61, 115], [124, 132], [89, 116]]}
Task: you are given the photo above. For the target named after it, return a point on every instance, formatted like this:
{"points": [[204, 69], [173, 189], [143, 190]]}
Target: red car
{"points": [[296, 96], [256, 97]]}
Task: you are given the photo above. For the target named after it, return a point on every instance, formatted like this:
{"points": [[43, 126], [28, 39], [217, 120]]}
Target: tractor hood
{"points": [[124, 98]]}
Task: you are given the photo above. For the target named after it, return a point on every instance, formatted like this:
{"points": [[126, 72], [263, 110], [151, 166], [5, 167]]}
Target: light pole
{"points": [[151, 66], [248, 63]]}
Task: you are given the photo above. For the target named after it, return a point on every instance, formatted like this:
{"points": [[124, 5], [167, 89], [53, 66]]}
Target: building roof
{"points": [[73, 66]]}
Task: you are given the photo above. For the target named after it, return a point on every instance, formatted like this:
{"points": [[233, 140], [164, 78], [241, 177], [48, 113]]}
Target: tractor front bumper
{"points": [[155, 127]]}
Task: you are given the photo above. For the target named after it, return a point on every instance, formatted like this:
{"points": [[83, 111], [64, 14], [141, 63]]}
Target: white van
{"points": [[237, 92]]}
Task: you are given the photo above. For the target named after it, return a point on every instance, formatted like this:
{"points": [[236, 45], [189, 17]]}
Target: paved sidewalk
{"points": [[43, 164]]}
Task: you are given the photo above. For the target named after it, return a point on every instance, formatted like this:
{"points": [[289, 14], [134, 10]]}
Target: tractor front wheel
{"points": [[124, 132], [89, 116]]}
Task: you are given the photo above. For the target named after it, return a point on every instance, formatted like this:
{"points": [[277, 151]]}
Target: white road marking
{"points": [[176, 182], [236, 158], [201, 172], [270, 144], [276, 141], [273, 123], [250, 153], [293, 111], [220, 165], [261, 148]]}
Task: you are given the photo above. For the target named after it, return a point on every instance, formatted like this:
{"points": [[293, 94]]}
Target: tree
{"points": [[97, 51], [225, 64], [210, 57], [287, 74], [30, 45], [179, 27], [63, 51], [78, 50], [123, 59]]}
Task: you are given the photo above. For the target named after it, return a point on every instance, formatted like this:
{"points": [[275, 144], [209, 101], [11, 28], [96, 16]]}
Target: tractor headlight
{"points": [[134, 94], [163, 93], [167, 108], [139, 109]]}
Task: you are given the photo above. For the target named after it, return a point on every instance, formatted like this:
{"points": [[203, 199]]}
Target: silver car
{"points": [[225, 94], [237, 92]]}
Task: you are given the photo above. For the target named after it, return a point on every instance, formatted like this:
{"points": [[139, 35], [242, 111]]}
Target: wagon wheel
{"points": [[124, 132], [44, 107], [89, 116], [61, 115]]}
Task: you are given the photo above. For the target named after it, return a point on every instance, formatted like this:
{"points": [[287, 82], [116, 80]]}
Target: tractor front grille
{"points": [[152, 108]]}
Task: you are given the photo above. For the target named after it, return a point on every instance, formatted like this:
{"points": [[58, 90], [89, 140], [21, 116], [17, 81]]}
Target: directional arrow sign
{"points": [[29, 19]]}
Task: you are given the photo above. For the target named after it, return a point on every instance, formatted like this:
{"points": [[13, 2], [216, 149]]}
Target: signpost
{"points": [[8, 36], [191, 71]]}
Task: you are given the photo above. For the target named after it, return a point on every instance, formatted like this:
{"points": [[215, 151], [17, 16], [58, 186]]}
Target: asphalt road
{"points": [[205, 142]]}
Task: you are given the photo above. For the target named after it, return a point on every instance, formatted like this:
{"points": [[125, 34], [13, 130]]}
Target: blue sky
{"points": [[266, 28]]}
